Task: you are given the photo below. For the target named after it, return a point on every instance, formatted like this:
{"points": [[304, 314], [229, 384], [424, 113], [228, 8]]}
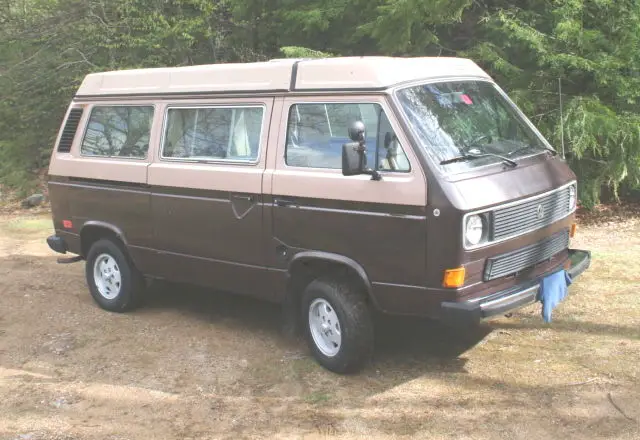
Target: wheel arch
{"points": [[94, 230], [306, 266], [319, 262]]}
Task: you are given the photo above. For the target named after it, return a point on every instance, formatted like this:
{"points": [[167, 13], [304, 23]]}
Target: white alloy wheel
{"points": [[106, 275], [325, 327]]}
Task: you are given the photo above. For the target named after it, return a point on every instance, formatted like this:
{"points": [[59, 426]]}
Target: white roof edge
{"points": [[371, 72]]}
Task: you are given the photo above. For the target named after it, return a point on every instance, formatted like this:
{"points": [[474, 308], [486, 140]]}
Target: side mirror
{"points": [[357, 132], [354, 160]]}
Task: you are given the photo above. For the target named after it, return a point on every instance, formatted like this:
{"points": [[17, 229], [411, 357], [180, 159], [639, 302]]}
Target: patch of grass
{"points": [[29, 224], [317, 397], [304, 366], [425, 382], [594, 334]]}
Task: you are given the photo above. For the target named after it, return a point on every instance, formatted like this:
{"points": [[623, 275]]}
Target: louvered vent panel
{"points": [[69, 131]]}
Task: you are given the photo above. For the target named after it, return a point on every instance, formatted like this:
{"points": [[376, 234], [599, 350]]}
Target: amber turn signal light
{"points": [[572, 231], [454, 277]]}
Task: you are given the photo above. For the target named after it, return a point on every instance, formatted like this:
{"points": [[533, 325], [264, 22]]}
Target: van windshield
{"points": [[466, 118]]}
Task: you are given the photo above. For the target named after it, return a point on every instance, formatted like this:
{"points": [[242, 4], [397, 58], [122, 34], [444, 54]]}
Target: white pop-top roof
{"points": [[279, 75]]}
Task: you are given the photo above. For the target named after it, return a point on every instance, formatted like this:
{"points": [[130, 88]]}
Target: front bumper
{"points": [[473, 311]]}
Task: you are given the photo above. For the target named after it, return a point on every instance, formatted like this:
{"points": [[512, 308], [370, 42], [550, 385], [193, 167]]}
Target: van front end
{"points": [[501, 201], [522, 243]]}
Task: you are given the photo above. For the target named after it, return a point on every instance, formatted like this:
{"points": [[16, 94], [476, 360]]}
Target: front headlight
{"points": [[474, 230], [572, 197]]}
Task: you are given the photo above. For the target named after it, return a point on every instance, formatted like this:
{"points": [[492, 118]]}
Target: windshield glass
{"points": [[452, 119]]}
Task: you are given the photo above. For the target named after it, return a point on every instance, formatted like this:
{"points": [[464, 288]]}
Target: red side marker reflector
{"points": [[67, 224]]}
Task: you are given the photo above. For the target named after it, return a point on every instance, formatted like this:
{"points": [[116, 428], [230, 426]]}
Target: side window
{"points": [[118, 131], [213, 133], [316, 133]]}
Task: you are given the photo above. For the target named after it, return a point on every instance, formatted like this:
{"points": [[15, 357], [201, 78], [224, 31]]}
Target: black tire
{"points": [[355, 322], [131, 286]]}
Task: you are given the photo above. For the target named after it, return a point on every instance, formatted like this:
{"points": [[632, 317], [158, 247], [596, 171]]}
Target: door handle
{"points": [[285, 202], [245, 198]]}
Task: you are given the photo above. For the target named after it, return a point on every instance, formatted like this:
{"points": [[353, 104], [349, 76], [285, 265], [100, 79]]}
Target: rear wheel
{"points": [[339, 328], [114, 283]]}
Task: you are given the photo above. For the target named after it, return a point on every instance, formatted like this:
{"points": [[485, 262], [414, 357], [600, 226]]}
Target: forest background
{"points": [[591, 48]]}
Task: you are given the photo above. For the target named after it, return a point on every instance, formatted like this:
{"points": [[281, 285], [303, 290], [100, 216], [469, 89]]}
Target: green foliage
{"points": [[302, 52], [592, 46], [408, 27], [606, 144], [48, 46]]}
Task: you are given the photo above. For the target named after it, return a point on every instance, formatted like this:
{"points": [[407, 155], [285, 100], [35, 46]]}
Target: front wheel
{"points": [[339, 328]]}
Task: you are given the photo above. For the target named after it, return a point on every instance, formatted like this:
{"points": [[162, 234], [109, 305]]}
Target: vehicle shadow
{"points": [[401, 342], [423, 343], [238, 312]]}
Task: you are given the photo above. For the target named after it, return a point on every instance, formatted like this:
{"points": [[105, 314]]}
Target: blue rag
{"points": [[553, 289]]}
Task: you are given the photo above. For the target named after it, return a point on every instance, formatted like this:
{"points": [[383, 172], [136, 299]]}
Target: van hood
{"points": [[532, 176]]}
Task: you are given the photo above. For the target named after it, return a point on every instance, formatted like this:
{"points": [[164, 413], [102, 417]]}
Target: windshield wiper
{"points": [[528, 147], [469, 156]]}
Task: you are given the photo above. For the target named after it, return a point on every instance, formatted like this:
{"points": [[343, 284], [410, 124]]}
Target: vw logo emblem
{"points": [[540, 212]]}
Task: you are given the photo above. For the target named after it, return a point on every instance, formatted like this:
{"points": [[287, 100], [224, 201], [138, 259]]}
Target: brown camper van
{"points": [[337, 187]]}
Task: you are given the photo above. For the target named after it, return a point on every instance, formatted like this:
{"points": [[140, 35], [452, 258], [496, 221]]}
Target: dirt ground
{"points": [[194, 364]]}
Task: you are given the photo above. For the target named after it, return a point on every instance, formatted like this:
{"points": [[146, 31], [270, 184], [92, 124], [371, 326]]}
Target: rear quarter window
{"points": [[118, 131]]}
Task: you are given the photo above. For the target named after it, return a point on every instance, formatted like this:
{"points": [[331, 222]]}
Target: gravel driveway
{"points": [[194, 364]]}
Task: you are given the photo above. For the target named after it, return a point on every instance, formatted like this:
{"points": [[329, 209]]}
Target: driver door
{"points": [[378, 224]]}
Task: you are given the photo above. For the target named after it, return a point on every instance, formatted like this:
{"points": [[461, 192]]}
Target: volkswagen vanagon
{"points": [[337, 187]]}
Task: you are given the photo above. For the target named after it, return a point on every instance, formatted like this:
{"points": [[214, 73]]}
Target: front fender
{"points": [[329, 257]]}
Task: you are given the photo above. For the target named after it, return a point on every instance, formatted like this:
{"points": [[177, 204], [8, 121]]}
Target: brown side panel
{"points": [[59, 199], [388, 241], [211, 238], [408, 300], [207, 223], [125, 206], [60, 210]]}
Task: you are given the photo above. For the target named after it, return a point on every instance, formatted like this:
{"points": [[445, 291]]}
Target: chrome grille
{"points": [[512, 262], [530, 214]]}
